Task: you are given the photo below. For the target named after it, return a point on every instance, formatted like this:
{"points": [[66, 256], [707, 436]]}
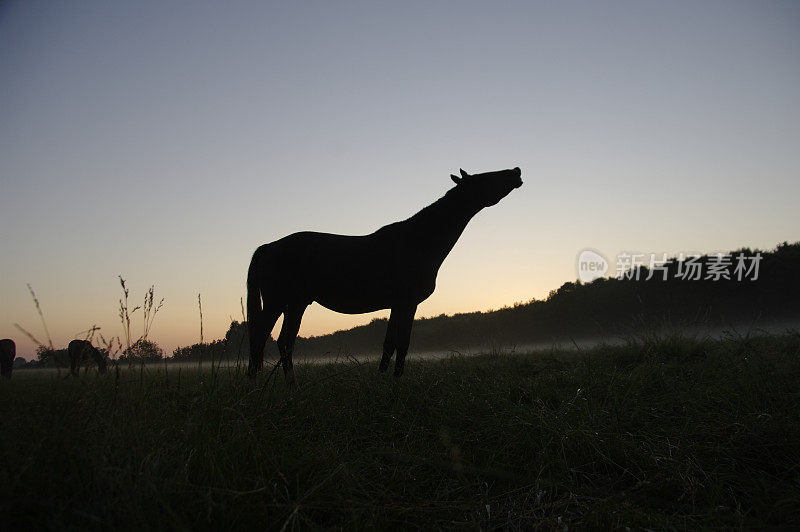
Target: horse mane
{"points": [[434, 214]]}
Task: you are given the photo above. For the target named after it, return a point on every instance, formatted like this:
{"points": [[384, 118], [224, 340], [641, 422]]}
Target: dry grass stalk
{"points": [[200, 305], [149, 312]]}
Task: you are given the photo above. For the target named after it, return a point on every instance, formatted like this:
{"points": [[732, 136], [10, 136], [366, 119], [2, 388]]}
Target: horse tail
{"points": [[255, 315], [253, 289]]}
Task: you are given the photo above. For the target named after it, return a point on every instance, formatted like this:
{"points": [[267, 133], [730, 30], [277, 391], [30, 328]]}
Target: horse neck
{"points": [[438, 226]]}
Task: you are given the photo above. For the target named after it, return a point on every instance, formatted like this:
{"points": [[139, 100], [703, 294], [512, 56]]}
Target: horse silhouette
{"points": [[8, 350], [393, 268], [77, 351]]}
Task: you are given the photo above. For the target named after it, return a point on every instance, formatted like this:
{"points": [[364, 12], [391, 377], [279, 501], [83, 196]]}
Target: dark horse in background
{"points": [[78, 350], [393, 268], [8, 351]]}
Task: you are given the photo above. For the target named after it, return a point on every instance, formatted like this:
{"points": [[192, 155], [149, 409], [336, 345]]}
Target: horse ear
{"points": [[463, 173], [455, 179]]}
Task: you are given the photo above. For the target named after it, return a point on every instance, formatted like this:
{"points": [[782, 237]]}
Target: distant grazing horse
{"points": [[8, 350], [395, 267], [77, 351]]}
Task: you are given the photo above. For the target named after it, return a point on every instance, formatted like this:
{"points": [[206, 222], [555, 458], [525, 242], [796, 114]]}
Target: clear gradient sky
{"points": [[166, 140]]}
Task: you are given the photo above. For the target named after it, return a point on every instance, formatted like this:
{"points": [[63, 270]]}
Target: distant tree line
{"points": [[603, 307], [141, 351]]}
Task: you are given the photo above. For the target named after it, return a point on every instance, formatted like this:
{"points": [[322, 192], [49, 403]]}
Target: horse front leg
{"points": [[404, 321], [291, 326], [388, 343]]}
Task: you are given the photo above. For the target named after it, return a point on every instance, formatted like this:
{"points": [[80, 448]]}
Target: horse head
{"points": [[489, 188]]}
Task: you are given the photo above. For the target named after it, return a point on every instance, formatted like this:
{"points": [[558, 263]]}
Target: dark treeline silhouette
{"points": [[602, 308], [79, 352], [216, 350]]}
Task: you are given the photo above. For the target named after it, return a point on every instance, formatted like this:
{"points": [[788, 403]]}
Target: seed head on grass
{"points": [[42, 350], [149, 310], [89, 333], [44, 324], [41, 316], [125, 314]]}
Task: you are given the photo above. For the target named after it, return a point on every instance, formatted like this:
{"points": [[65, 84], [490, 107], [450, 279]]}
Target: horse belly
{"points": [[359, 294], [359, 307], [353, 298]]}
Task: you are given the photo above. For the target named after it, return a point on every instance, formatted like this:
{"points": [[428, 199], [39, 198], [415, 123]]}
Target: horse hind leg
{"points": [[291, 326], [405, 320], [260, 324], [389, 343], [257, 335]]}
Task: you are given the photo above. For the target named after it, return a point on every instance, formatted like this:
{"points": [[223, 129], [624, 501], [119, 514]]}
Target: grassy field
{"points": [[659, 433]]}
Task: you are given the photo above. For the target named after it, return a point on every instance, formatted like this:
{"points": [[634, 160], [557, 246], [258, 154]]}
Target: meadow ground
{"points": [[659, 433]]}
